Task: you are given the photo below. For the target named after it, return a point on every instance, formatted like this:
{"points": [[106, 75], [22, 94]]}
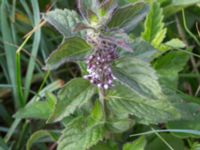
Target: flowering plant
{"points": [[121, 82]]}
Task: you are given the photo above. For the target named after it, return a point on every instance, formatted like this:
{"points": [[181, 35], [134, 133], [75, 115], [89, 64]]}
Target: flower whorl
{"points": [[99, 62]]}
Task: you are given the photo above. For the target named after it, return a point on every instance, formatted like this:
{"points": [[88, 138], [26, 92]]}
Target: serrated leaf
{"points": [[38, 109], [63, 20], [78, 136], [127, 17], [122, 102], [86, 5], [142, 50], [138, 144], [73, 95], [169, 65], [138, 76], [154, 26], [159, 38], [190, 119], [120, 125], [97, 112], [41, 134], [73, 49]]}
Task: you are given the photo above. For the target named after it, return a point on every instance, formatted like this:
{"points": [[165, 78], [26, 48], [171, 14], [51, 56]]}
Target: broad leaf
{"points": [[138, 144], [87, 5], [38, 109], [142, 50], [117, 125], [190, 119], [36, 136], [127, 17], [63, 20], [79, 136], [157, 144], [122, 102], [3, 145], [72, 49], [154, 26], [169, 65], [185, 2], [138, 76], [73, 95]]}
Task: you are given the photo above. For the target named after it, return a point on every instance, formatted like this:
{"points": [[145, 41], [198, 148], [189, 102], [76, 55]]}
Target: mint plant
{"points": [[122, 83]]}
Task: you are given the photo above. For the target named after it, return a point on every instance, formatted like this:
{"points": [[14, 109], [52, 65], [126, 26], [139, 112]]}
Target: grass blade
{"points": [[36, 43]]}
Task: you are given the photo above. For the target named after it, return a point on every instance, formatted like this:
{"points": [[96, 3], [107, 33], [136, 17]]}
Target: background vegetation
{"points": [[25, 44]]}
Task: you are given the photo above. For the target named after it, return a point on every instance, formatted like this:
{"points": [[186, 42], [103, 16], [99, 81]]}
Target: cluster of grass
{"points": [[26, 42]]}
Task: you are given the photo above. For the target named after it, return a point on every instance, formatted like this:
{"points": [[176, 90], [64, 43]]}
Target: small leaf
{"points": [[172, 44], [73, 95], [63, 20], [176, 43], [122, 102], [78, 136], [138, 144], [154, 26], [38, 109], [72, 49], [41, 134], [129, 16], [138, 76]]}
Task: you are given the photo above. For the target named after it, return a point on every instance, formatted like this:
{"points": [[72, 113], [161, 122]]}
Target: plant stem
{"points": [[102, 101]]}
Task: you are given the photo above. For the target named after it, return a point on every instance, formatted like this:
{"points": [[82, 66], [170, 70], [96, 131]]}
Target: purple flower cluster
{"points": [[99, 63]]}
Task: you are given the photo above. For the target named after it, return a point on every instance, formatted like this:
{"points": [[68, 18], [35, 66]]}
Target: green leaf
{"points": [[172, 44], [189, 120], [138, 76], [97, 112], [78, 136], [122, 102], [3, 145], [117, 125], [175, 43], [105, 145], [36, 136], [127, 17], [138, 144], [157, 144], [73, 95], [63, 20], [185, 2], [142, 50], [154, 26], [72, 49], [38, 109], [169, 65], [88, 5]]}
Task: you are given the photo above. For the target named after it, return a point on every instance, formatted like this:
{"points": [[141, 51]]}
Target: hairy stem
{"points": [[102, 101]]}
